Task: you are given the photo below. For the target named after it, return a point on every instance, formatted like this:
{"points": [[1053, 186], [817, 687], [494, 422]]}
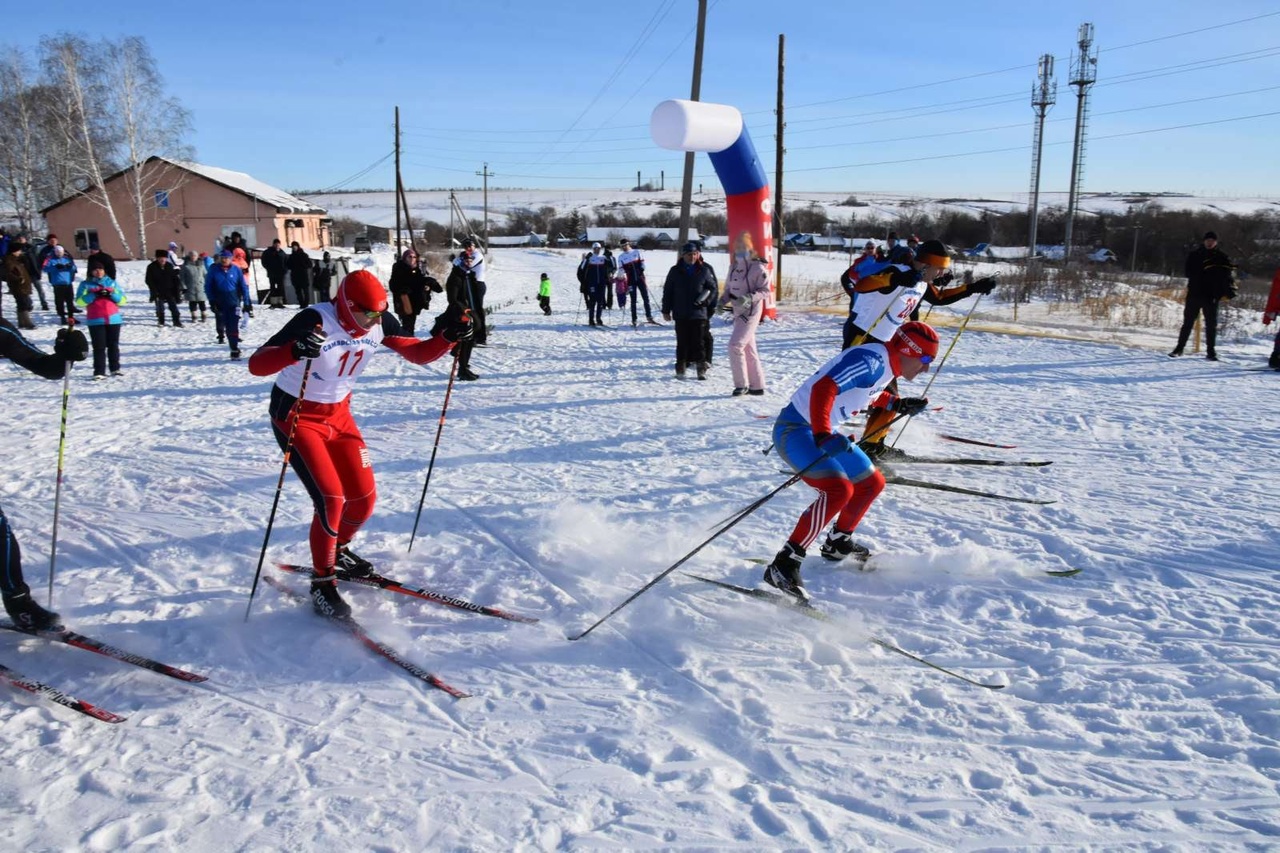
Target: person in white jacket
{"points": [[745, 292]]}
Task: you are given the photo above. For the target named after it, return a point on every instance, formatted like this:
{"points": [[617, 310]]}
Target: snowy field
{"points": [[1140, 711], [378, 208]]}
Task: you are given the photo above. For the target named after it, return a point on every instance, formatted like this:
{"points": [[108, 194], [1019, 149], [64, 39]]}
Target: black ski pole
{"points": [[453, 372], [941, 364], [284, 467], [756, 505], [57, 489]]}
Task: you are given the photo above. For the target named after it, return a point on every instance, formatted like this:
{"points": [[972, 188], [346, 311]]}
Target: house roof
{"points": [[239, 182]]}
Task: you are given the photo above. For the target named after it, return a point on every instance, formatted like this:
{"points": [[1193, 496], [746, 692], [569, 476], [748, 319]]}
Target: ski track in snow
{"points": [[1140, 711]]}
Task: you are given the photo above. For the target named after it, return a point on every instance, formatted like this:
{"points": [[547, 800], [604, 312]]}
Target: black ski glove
{"points": [[944, 279], [461, 329], [310, 344], [832, 444], [911, 405], [984, 285], [71, 345]]}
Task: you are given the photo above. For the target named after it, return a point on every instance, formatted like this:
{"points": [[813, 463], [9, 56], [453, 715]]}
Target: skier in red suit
{"points": [[338, 339]]}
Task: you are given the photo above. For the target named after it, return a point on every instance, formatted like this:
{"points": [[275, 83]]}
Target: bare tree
{"points": [[20, 145], [152, 125], [81, 118]]}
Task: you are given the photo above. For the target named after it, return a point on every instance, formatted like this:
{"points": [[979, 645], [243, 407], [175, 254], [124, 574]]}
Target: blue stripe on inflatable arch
{"points": [[738, 167]]}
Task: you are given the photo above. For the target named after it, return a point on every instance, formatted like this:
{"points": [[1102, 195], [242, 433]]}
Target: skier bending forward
{"points": [[329, 455], [808, 439]]}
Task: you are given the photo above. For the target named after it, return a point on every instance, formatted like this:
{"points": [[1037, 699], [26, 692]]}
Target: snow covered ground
{"points": [[1140, 711]]}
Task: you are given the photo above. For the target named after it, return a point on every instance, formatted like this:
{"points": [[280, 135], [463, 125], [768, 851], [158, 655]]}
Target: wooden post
{"points": [[398, 187], [686, 195], [778, 235]]}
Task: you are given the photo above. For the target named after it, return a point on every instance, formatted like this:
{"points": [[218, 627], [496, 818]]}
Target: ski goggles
{"points": [[925, 359], [372, 315]]}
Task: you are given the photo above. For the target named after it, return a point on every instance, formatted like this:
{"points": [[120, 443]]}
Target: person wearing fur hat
{"points": [[807, 436], [330, 344], [886, 295]]}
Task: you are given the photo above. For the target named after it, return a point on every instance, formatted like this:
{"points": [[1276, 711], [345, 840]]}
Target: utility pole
{"points": [[487, 175], [397, 180], [1043, 95], [1084, 73], [1133, 262], [778, 234], [686, 195]]}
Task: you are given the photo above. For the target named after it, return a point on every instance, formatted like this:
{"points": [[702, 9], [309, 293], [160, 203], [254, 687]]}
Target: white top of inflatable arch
{"points": [[679, 125]]}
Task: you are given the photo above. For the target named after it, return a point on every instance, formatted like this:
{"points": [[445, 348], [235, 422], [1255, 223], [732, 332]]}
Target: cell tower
{"points": [[1084, 73], [1044, 94]]}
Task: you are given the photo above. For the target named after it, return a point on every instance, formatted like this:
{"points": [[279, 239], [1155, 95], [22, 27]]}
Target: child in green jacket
{"points": [[544, 294]]}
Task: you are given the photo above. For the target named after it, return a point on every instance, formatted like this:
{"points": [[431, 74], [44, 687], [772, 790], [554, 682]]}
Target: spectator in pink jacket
{"points": [[745, 293]]}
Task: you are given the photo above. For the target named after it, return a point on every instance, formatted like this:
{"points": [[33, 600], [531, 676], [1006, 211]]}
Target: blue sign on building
{"points": [[162, 198]]}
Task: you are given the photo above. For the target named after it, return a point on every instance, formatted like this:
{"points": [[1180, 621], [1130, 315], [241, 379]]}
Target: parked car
{"points": [[361, 244]]}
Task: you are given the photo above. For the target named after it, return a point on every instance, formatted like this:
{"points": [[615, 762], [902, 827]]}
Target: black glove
{"points": [[310, 344], [984, 285], [944, 279], [832, 444], [911, 405], [71, 345], [433, 286], [461, 329]]}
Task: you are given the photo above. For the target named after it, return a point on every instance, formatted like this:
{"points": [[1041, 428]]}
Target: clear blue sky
{"points": [[558, 93]]}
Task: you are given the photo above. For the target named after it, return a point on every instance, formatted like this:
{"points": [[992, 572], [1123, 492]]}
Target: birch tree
{"points": [[150, 124], [21, 150], [82, 118]]}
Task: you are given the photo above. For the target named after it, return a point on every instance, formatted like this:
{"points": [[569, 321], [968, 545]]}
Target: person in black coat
{"points": [[690, 295], [300, 273], [164, 283], [458, 289], [70, 346], [1209, 279], [273, 261], [108, 263], [411, 289]]}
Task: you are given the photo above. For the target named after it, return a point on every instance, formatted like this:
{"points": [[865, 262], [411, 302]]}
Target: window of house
{"points": [[87, 239], [162, 198]]}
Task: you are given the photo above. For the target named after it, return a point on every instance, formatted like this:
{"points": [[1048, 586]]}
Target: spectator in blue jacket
{"points": [[62, 273], [228, 294]]}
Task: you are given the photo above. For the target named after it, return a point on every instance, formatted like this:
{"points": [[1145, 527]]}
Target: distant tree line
{"points": [[1165, 236], [77, 112]]}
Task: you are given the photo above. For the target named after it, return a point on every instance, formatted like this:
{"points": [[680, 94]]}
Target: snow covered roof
{"points": [[239, 182], [250, 186]]}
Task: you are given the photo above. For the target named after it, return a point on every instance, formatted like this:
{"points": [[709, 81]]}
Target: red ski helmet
{"points": [[359, 292], [917, 340]]}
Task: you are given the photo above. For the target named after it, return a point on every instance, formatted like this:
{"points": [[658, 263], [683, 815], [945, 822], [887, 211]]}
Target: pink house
{"points": [[189, 204]]}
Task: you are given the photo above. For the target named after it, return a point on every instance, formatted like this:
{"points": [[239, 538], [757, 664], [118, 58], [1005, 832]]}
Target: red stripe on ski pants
{"points": [[330, 458]]}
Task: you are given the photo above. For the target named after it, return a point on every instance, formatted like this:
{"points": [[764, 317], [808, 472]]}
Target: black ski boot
{"points": [[325, 599], [784, 572], [840, 545], [352, 563], [1274, 361], [29, 616], [878, 451]]}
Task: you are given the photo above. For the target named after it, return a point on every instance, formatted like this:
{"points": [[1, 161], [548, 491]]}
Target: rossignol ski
{"points": [[376, 646], [80, 641], [13, 678], [378, 581]]}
